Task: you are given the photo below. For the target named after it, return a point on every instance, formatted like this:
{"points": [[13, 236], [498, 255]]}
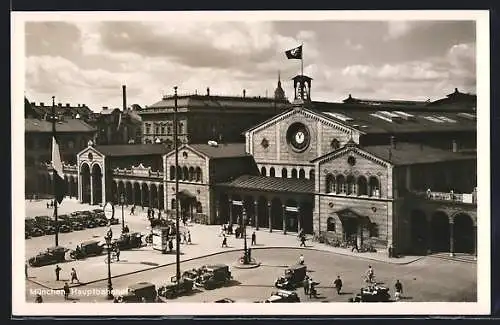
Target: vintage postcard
{"points": [[169, 162]]}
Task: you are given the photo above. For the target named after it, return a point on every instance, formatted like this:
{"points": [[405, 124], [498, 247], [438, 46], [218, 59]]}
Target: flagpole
{"points": [[302, 59], [54, 190]]}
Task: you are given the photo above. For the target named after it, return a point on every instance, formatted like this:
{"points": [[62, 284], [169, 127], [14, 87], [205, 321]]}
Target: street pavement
{"points": [[428, 279], [206, 241]]}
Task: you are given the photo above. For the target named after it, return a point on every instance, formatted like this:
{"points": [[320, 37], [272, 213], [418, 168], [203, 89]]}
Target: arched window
{"points": [[302, 173], [294, 173], [311, 174], [172, 172], [362, 186], [191, 174], [330, 186], [284, 173], [198, 174], [185, 173], [351, 185], [179, 172], [340, 184], [374, 186], [263, 171], [335, 144], [330, 224], [271, 172], [172, 204]]}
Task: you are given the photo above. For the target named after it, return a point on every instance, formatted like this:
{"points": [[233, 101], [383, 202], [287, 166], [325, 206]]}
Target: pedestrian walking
{"points": [[170, 246], [303, 241], [74, 276], [184, 238], [132, 210], [26, 270], [398, 286], [338, 284], [117, 253], [222, 230], [370, 274], [48, 205], [189, 237], [305, 284], [254, 238], [58, 270], [355, 247], [66, 291], [224, 241]]}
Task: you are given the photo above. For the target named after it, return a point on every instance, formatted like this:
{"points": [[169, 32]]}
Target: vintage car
{"points": [[87, 249], [293, 277], [225, 300], [282, 296], [375, 293], [76, 225], [173, 290], [101, 221], [64, 227], [35, 232], [213, 276], [50, 256], [89, 222], [140, 292], [129, 241]]}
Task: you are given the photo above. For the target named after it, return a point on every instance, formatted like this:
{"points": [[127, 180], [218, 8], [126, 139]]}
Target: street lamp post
{"points": [[246, 258], [110, 286], [122, 202]]}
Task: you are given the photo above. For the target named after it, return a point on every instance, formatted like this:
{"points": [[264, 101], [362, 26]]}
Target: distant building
{"points": [[202, 118], [80, 111]]}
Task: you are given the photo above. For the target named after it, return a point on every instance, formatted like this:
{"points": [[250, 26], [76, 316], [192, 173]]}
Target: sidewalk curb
{"points": [[219, 253]]}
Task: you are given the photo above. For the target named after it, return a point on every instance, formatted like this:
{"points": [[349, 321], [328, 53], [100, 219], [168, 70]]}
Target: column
{"points": [[230, 210], [269, 206], [150, 197], [103, 187], [452, 240], [133, 193], [91, 189], [217, 211], [142, 195], [474, 234], [299, 216], [69, 187], [284, 219], [256, 214], [157, 196], [80, 188]]}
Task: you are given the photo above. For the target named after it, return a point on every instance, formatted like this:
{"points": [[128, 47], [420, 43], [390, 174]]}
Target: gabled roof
{"points": [[271, 184], [123, 150], [65, 126], [222, 150]]}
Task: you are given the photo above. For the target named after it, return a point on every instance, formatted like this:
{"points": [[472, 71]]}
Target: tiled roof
{"points": [[122, 150], [271, 184], [66, 125], [412, 153], [222, 150]]}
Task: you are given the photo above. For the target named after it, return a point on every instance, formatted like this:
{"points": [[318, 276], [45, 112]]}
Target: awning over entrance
{"points": [[271, 184], [345, 214]]}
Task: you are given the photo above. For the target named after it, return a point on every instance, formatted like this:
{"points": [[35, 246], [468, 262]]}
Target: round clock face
{"points": [[298, 137]]}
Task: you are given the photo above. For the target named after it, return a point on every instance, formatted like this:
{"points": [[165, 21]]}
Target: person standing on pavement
{"points": [[74, 276], [305, 284], [132, 210], [184, 238], [189, 237], [303, 241], [66, 291], [58, 270], [370, 274], [338, 284], [399, 290], [224, 241], [117, 253], [254, 238], [170, 246]]}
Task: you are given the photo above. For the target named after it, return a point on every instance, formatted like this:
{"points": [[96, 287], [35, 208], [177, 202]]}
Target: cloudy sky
{"points": [[88, 61]]}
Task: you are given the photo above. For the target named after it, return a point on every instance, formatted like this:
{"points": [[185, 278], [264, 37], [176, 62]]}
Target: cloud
{"points": [[397, 29]]}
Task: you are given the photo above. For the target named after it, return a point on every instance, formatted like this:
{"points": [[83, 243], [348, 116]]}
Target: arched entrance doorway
{"points": [[96, 184], [145, 195], [222, 213], [419, 232], [440, 232], [85, 183], [187, 204], [137, 194], [463, 233], [276, 214], [306, 216], [129, 193], [291, 216], [236, 208]]}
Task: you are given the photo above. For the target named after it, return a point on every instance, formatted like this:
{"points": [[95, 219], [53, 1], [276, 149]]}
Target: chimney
{"points": [[393, 142], [67, 104], [59, 104], [42, 104], [124, 97], [208, 91], [454, 146], [244, 93]]}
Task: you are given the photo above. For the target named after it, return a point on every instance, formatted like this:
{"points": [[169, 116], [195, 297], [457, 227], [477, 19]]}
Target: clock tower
{"points": [[302, 87]]}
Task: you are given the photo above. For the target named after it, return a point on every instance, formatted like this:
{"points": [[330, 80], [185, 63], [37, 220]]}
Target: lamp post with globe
{"points": [[109, 212], [122, 203]]}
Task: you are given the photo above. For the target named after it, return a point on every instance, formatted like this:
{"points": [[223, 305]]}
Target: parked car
{"points": [[36, 232], [213, 276], [64, 227], [101, 221], [374, 293], [87, 249], [282, 296], [50, 256], [76, 225], [138, 292], [293, 277], [173, 290], [225, 300]]}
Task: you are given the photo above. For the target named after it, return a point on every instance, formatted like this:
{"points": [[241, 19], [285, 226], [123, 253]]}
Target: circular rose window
{"points": [[298, 137]]}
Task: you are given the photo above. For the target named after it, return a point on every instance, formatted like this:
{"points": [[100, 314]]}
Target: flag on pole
{"points": [[59, 183], [295, 53]]}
